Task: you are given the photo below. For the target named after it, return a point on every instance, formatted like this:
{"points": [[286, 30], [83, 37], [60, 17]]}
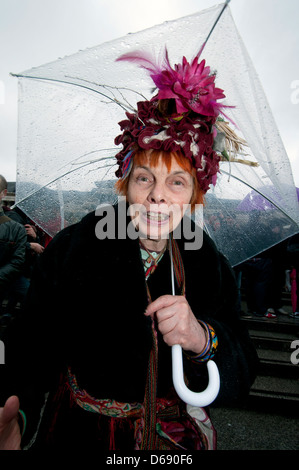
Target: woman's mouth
{"points": [[157, 219]]}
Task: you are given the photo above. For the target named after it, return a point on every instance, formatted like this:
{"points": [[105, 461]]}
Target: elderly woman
{"points": [[94, 369]]}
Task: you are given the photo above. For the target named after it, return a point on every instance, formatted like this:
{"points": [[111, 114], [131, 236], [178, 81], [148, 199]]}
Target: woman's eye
{"points": [[142, 179], [178, 183]]}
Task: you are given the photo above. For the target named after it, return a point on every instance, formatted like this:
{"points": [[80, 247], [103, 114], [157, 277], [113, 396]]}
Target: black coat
{"points": [[86, 310], [12, 252]]}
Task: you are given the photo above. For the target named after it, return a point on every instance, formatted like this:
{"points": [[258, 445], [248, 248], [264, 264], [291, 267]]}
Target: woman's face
{"points": [[158, 198]]}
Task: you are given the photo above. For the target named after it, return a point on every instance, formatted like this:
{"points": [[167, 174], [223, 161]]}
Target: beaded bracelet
{"points": [[211, 345]]}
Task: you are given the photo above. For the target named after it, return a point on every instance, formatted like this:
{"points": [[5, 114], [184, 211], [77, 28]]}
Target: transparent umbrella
{"points": [[68, 118]]}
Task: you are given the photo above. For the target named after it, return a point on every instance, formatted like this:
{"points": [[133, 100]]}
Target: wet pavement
{"points": [[269, 421], [256, 429]]}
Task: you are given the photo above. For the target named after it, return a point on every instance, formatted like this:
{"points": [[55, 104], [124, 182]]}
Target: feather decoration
{"points": [[143, 59], [192, 86], [233, 144]]}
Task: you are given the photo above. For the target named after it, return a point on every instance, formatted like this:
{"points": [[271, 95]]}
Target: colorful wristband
{"points": [[24, 421], [211, 345]]}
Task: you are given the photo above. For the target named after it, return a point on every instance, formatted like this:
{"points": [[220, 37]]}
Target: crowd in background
{"points": [[21, 241], [267, 276], [262, 279]]}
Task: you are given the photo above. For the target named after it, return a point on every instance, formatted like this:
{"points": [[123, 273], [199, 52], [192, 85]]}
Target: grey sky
{"points": [[34, 32]]}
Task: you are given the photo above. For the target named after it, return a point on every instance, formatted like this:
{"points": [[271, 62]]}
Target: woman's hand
{"points": [[177, 323], [10, 435], [37, 248]]}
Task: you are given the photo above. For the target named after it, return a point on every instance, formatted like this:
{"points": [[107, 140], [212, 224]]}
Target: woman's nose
{"points": [[157, 195]]}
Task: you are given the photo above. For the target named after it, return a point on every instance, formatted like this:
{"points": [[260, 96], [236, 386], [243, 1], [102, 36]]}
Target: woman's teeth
{"points": [[157, 216]]}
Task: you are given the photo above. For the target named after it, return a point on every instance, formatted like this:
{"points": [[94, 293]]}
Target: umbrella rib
{"points": [[122, 105], [219, 16], [111, 88], [213, 27], [74, 162], [56, 179], [259, 192]]}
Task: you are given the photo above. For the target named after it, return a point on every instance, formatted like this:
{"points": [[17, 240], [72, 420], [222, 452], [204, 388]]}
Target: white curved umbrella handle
{"points": [[193, 398]]}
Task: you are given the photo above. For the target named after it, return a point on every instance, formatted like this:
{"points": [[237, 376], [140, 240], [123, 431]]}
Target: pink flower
{"points": [[191, 85]]}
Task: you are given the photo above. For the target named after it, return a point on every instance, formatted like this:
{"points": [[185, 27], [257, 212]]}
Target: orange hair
{"points": [[152, 158]]}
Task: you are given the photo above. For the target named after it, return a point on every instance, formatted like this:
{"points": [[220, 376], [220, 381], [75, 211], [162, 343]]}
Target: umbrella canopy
{"points": [[254, 201], [68, 118]]}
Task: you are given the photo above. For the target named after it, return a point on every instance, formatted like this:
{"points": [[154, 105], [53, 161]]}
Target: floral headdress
{"points": [[182, 117]]}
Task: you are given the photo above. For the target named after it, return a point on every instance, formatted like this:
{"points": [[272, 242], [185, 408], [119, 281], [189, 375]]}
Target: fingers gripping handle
{"points": [[192, 398]]}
